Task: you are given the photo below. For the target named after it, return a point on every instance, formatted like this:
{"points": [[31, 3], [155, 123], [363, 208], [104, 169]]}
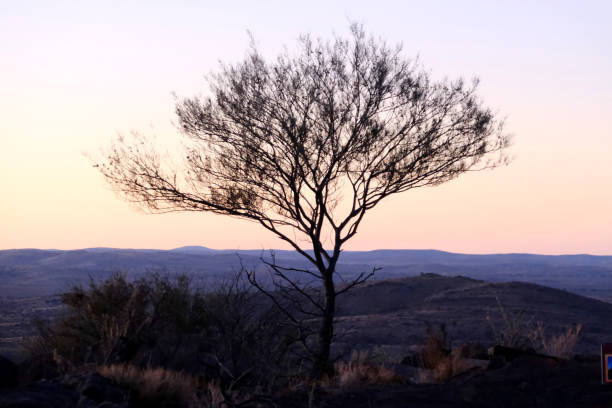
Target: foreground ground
{"points": [[523, 382]]}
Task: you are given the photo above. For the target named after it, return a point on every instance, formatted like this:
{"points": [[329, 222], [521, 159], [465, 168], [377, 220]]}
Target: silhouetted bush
{"points": [[111, 321], [230, 335]]}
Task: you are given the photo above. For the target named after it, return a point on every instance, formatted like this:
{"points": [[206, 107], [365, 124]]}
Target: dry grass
{"points": [[359, 370], [447, 367], [153, 387], [515, 327], [450, 367], [559, 345], [519, 331], [435, 348], [437, 364]]}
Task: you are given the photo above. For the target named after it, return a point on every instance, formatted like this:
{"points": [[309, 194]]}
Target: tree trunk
{"points": [[323, 365]]}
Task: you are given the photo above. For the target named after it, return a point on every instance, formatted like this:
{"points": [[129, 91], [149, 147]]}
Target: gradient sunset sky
{"points": [[74, 74]]}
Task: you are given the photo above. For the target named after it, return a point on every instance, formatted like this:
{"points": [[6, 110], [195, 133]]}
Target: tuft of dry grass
{"points": [[155, 387], [445, 368], [435, 348], [519, 331], [559, 345], [450, 366], [358, 370], [437, 364]]}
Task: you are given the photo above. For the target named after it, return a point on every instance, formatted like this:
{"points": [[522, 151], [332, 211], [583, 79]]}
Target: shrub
{"points": [[229, 334], [109, 322]]}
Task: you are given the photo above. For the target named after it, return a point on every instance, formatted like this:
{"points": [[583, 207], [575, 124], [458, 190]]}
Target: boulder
{"points": [[100, 389]]}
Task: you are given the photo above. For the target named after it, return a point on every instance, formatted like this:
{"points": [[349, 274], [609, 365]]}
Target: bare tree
{"points": [[306, 144]]}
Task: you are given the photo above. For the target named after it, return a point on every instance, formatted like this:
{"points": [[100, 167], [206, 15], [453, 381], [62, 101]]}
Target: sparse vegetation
{"points": [[159, 330], [438, 362], [559, 345], [514, 329], [360, 370], [153, 387], [520, 330]]}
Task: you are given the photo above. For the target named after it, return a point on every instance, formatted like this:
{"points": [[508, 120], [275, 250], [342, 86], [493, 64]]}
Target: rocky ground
{"points": [[524, 382]]}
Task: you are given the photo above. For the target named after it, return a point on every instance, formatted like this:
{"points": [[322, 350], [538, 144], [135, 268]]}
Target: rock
{"points": [[411, 360], [510, 353], [99, 389], [9, 375]]}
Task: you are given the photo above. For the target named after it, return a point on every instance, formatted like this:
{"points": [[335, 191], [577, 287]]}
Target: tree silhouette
{"points": [[306, 144]]}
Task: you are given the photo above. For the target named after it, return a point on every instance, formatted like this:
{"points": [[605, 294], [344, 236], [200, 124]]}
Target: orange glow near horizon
{"points": [[74, 78]]}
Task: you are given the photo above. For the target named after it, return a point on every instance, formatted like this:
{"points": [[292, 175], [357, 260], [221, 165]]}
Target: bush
{"points": [[229, 334], [110, 322]]}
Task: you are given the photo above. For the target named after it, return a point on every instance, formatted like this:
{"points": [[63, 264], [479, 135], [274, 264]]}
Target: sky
{"points": [[74, 75]]}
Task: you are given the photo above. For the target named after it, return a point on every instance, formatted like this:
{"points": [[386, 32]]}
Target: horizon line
{"points": [[204, 248]]}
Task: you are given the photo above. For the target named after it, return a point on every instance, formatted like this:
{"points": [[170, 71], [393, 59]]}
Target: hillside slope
{"points": [[397, 312]]}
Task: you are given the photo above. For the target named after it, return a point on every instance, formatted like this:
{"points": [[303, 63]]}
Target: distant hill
{"points": [[193, 250], [396, 312], [32, 272]]}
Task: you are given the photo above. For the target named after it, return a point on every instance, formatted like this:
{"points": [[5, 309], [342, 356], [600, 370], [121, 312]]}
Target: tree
{"points": [[305, 145]]}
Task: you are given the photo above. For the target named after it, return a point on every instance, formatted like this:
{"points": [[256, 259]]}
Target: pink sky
{"points": [[72, 77]]}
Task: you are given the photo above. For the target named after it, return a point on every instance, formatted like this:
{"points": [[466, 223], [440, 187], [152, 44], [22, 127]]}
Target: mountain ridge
{"points": [[31, 271]]}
